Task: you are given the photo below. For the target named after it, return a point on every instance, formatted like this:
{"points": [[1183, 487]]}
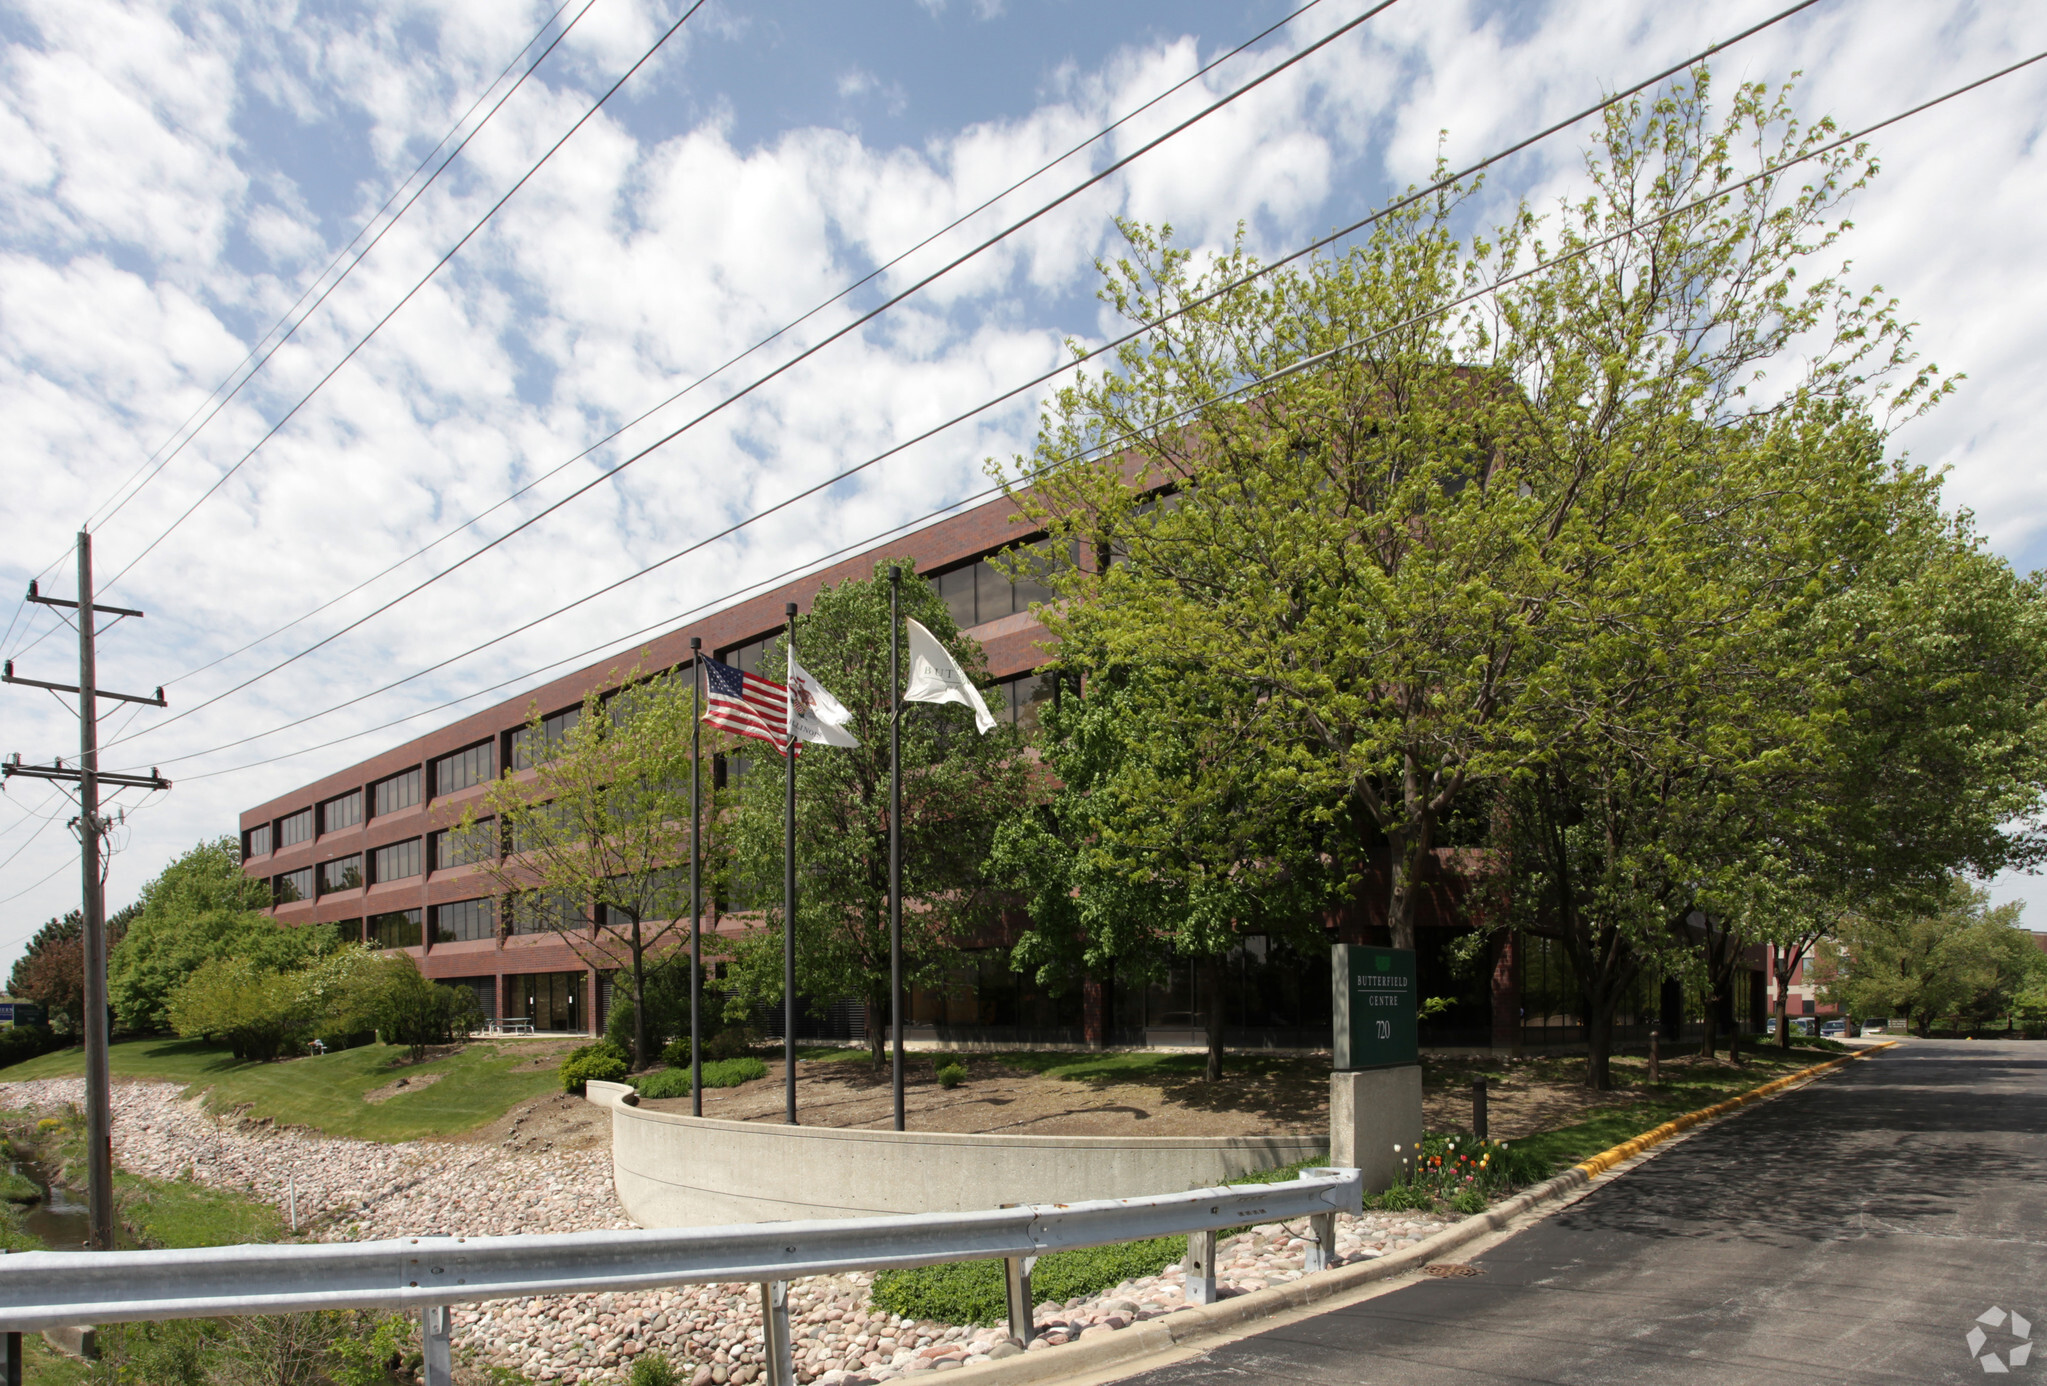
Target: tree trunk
{"points": [[1783, 1004], [1599, 1047], [1213, 977], [639, 1000], [877, 1019], [1709, 1027]]}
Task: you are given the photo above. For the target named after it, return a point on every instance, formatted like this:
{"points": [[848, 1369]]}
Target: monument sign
{"points": [[1373, 1007]]}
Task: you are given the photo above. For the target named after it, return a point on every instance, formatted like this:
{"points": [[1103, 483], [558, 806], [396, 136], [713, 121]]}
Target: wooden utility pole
{"points": [[91, 827]]}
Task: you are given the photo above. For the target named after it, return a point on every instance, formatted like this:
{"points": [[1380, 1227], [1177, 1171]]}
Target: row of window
{"points": [[974, 593]]}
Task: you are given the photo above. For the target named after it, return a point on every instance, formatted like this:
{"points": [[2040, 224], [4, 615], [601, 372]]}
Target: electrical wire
{"points": [[594, 651], [94, 520], [8, 900], [335, 369], [1263, 381], [1397, 205], [772, 337]]}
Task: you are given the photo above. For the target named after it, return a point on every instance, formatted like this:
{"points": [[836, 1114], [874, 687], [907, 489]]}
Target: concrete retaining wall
{"points": [[673, 1170]]}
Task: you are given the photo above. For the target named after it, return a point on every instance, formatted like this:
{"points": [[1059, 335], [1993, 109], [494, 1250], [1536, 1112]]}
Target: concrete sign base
{"points": [[1371, 1112]]}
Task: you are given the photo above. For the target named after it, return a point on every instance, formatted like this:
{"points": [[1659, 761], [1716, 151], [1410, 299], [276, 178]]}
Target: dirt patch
{"points": [[554, 1121], [408, 1083]]}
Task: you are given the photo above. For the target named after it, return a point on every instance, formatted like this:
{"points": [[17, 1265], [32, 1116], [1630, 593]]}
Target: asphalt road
{"points": [[1850, 1231]]}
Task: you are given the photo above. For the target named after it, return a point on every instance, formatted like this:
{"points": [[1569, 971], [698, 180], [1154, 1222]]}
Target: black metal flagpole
{"points": [[895, 833], [696, 873], [789, 886]]}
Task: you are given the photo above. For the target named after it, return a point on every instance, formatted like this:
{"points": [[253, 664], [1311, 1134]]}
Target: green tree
{"points": [[201, 907], [51, 968], [957, 786], [1405, 531], [387, 993], [258, 1012], [1949, 957], [603, 823], [1163, 836]]}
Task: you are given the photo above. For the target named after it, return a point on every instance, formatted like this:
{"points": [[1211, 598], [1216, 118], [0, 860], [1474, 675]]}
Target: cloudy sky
{"points": [[177, 176]]}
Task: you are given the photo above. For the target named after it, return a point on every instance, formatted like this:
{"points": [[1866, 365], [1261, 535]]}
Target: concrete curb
{"points": [[1162, 1335]]}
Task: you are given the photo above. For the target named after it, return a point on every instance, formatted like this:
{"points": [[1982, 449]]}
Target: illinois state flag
{"points": [[818, 715]]}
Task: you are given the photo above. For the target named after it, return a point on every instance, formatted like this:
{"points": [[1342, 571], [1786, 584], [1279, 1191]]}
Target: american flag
{"points": [[746, 703]]}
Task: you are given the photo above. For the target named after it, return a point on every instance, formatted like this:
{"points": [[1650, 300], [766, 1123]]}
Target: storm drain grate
{"points": [[1450, 1270]]}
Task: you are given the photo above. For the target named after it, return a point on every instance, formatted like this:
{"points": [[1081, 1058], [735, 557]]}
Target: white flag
{"points": [[936, 677], [815, 714]]}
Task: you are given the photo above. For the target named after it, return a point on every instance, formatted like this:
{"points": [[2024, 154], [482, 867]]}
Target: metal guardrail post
{"points": [[1016, 1272], [14, 1359], [775, 1332], [435, 1347], [1200, 1268], [1321, 1243]]}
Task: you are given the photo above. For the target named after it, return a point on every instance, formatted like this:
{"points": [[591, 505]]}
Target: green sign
{"points": [[1374, 1006]]}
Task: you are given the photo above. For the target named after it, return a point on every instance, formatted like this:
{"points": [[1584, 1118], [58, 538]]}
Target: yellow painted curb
{"points": [[1627, 1150]]}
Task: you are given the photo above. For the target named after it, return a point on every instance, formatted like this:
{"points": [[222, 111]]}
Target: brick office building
{"points": [[367, 848]]}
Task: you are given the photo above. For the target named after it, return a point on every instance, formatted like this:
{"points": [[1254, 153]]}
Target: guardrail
{"points": [[42, 1289]]}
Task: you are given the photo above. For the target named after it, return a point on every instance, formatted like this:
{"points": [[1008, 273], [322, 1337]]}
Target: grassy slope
{"points": [[476, 1085]]}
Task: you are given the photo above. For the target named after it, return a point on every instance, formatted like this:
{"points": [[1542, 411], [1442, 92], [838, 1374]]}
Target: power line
{"points": [[1295, 368], [409, 293], [8, 900], [594, 651], [94, 521], [778, 333], [759, 381], [285, 317], [1397, 205]]}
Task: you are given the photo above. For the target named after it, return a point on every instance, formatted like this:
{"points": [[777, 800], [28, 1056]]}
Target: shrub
{"points": [[972, 1292], [951, 1075], [652, 1369], [674, 1082], [1468, 1202], [20, 1043], [602, 1061], [676, 1053], [735, 1043]]}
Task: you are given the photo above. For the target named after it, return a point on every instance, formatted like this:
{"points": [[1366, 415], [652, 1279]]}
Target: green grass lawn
{"points": [[474, 1086], [1682, 1090]]}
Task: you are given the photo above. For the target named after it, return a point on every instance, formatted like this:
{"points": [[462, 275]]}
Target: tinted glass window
{"points": [[530, 747], [452, 847], [294, 885], [397, 792], [541, 911], [295, 829], [256, 842], [396, 862], [462, 769], [465, 921], [397, 929], [747, 658], [1026, 698], [342, 812], [343, 873]]}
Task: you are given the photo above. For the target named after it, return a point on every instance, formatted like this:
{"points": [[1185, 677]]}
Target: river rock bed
{"points": [[348, 1190]]}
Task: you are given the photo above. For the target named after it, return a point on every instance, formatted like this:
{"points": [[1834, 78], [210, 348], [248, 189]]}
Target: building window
{"points": [[544, 911], [256, 842], [551, 1000], [1021, 700], [747, 658], [462, 769], [979, 592], [396, 929], [295, 829], [452, 847], [465, 921], [397, 792], [531, 745], [343, 873], [344, 811], [293, 885], [396, 862]]}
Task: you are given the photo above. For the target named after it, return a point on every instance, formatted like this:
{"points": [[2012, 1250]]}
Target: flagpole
{"points": [[789, 882], [895, 833], [696, 867]]}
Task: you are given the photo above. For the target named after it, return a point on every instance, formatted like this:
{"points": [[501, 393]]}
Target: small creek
{"points": [[59, 1219]]}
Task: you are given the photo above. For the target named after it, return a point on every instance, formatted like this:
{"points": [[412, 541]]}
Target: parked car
{"points": [[1834, 1029], [1876, 1029]]}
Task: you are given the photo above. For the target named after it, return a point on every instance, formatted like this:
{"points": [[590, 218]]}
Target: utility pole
{"points": [[91, 827]]}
